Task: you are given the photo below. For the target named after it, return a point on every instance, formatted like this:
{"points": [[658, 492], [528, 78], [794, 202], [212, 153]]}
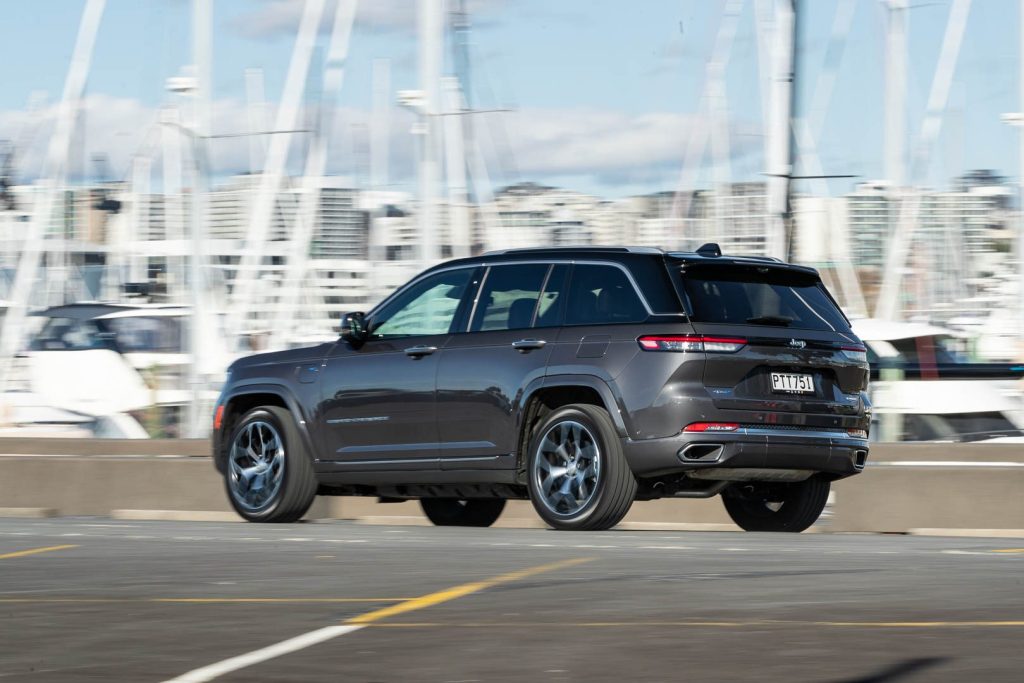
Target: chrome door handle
{"points": [[528, 344], [419, 351]]}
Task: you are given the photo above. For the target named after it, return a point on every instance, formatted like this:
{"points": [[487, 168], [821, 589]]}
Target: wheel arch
{"points": [[560, 390], [240, 400]]}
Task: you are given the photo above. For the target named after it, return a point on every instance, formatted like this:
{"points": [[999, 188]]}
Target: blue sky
{"points": [[603, 92]]}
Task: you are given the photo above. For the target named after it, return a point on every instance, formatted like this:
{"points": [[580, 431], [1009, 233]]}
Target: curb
{"points": [[973, 533], [176, 515], [28, 513]]}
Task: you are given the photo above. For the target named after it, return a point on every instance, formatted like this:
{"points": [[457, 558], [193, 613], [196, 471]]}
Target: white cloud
{"points": [[606, 148], [277, 17], [113, 126]]}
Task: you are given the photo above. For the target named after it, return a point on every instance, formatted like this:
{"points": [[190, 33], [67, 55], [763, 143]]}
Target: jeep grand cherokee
{"points": [[582, 379]]}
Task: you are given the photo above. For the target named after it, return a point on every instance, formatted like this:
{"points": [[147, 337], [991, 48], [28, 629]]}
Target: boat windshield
{"points": [[136, 334]]}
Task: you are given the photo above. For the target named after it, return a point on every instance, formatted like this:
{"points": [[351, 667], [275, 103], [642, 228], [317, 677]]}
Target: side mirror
{"points": [[352, 328]]}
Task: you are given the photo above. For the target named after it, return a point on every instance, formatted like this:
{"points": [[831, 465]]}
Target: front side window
{"points": [[602, 295], [508, 299], [427, 307]]}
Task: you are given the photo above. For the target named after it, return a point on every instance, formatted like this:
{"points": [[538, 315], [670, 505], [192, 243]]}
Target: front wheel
{"points": [[462, 512], [269, 477], [578, 476], [776, 507]]}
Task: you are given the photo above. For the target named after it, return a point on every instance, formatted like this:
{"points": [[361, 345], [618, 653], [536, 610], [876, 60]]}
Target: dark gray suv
{"points": [[581, 378]]}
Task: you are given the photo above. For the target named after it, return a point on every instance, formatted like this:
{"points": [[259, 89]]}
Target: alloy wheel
{"points": [[256, 465], [567, 468]]}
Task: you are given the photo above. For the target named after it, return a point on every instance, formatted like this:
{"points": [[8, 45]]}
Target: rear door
{"points": [[798, 354], [598, 337]]}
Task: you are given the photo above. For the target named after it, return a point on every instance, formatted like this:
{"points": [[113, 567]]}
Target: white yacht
{"points": [[925, 386]]}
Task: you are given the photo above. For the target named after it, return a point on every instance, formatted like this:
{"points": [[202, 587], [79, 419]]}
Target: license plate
{"points": [[792, 383]]}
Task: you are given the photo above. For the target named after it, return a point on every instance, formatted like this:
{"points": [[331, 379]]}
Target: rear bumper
{"points": [[831, 453]]}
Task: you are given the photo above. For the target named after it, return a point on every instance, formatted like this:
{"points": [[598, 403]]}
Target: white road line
{"points": [[983, 553], [946, 463], [208, 673]]}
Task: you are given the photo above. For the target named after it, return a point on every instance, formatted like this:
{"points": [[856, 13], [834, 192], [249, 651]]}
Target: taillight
{"points": [[711, 427], [857, 433], [691, 342], [855, 352]]}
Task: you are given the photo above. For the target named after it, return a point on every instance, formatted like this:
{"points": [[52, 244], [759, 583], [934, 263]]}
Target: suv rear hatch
{"points": [[794, 360]]}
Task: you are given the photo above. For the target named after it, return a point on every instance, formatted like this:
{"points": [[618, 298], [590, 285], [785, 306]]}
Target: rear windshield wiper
{"points": [[780, 320]]}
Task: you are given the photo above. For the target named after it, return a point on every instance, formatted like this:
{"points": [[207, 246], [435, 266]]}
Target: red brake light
{"points": [[711, 427], [857, 352], [691, 342]]}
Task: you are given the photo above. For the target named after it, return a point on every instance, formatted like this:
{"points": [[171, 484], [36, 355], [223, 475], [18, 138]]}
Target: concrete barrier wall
{"points": [[905, 487]]}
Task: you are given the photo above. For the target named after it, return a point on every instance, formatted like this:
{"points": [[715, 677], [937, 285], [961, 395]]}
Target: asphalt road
{"points": [[152, 601]]}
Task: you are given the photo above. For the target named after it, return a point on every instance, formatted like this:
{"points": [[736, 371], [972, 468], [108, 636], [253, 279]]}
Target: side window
{"points": [[602, 295], [428, 307], [508, 299], [552, 299]]}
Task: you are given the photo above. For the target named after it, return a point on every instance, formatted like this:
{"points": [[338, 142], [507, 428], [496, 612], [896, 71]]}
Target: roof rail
{"points": [[584, 248]]}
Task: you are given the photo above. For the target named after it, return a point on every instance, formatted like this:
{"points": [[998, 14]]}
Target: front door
{"points": [[378, 408], [482, 374]]}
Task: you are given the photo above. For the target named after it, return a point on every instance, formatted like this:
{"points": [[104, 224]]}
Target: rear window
{"points": [[741, 295]]}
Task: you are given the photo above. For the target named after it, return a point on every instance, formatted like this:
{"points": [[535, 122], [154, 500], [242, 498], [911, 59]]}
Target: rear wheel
{"points": [[776, 507], [269, 476], [578, 476], [462, 512]]}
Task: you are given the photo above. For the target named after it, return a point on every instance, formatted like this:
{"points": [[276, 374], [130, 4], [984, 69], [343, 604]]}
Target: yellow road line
{"points": [[455, 592], [201, 601], [36, 551], [197, 601], [918, 624], [705, 624], [322, 635], [1009, 550]]}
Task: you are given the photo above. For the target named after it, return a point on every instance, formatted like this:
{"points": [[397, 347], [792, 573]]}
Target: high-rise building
{"points": [[871, 215]]}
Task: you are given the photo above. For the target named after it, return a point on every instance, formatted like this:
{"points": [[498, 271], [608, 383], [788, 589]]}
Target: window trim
{"points": [[488, 264], [540, 296]]}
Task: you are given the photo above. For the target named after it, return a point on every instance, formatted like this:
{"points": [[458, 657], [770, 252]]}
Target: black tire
{"points": [[612, 492], [776, 507], [298, 485], [478, 512]]}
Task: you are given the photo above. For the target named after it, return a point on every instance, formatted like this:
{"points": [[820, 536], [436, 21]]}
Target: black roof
{"points": [[704, 255]]}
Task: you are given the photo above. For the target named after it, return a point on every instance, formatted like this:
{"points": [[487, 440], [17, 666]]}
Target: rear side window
{"points": [[509, 296], [740, 295], [602, 295]]}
